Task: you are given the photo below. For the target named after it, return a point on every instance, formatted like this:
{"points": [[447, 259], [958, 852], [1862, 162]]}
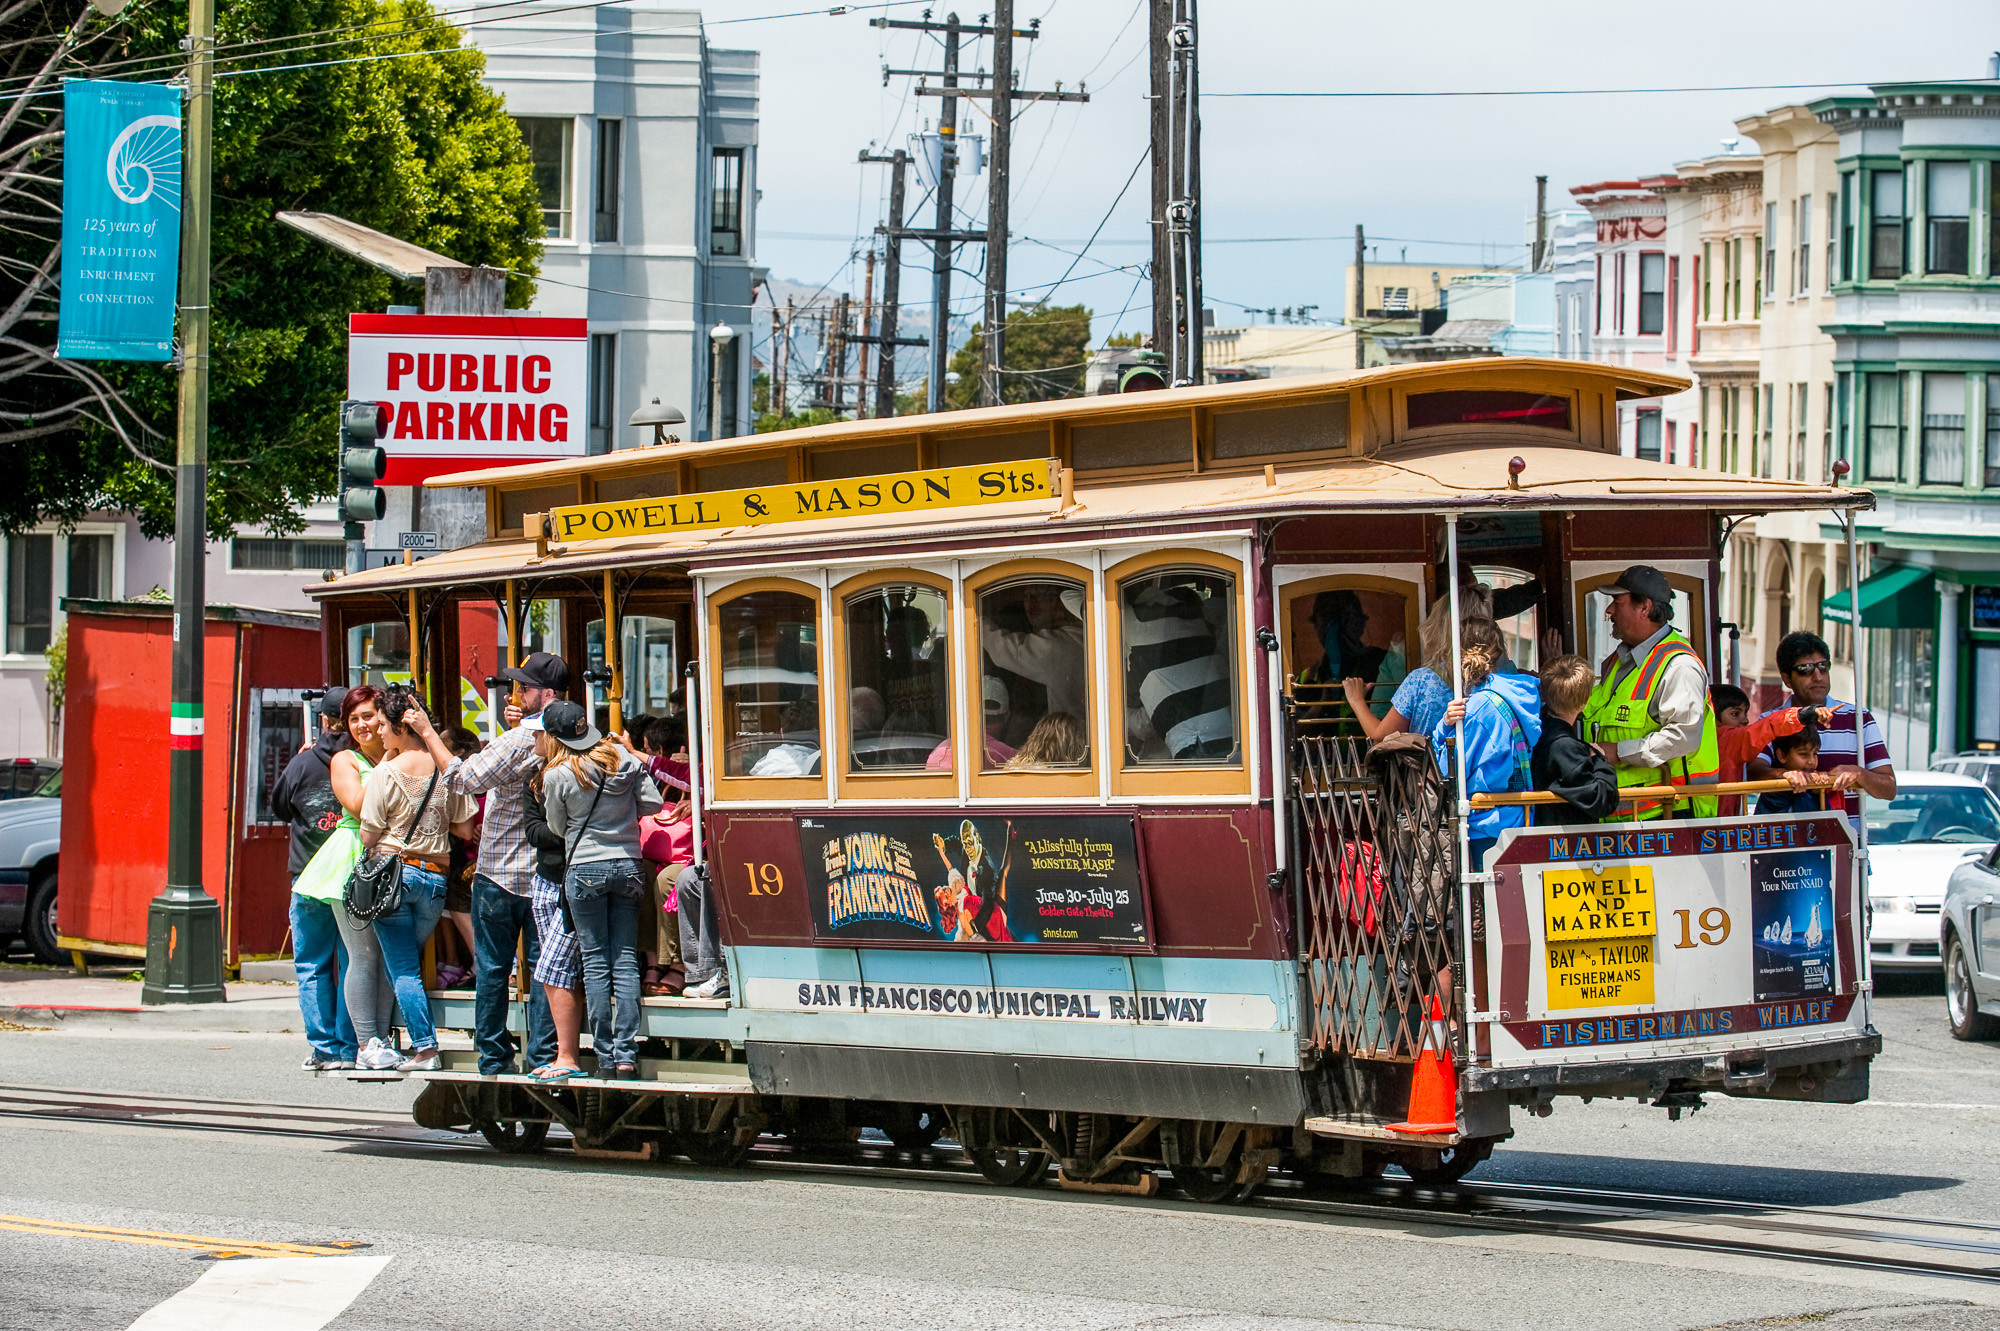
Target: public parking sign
{"points": [[465, 392]]}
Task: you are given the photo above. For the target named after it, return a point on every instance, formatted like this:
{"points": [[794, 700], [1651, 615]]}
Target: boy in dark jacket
{"points": [[304, 798], [1562, 762]]}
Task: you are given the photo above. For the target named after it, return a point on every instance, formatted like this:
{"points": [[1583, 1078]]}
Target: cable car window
{"points": [[898, 679], [1489, 406], [1358, 633], [1179, 668], [1034, 683], [378, 653], [769, 645]]}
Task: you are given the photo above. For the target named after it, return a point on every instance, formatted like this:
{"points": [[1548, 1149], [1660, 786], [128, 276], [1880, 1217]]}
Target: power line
{"points": [[1565, 92]]}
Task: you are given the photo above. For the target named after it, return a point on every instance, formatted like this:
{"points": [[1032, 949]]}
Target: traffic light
{"points": [[1147, 372], [362, 463]]}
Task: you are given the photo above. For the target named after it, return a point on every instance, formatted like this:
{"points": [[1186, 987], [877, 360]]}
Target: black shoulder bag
{"points": [[375, 888]]}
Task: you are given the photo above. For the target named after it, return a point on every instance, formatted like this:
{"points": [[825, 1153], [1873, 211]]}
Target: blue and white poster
{"points": [[1791, 910], [121, 238]]}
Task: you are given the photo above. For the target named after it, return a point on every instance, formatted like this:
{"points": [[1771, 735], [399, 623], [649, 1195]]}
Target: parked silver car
{"points": [[1969, 935], [30, 836]]}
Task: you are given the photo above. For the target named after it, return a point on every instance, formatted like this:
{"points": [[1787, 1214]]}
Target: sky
{"points": [[1441, 179]]}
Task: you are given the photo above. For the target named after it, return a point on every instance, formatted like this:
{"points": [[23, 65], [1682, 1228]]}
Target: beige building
{"points": [[1272, 351]]}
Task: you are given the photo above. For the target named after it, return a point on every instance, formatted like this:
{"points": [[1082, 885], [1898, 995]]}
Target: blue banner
{"points": [[121, 247]]}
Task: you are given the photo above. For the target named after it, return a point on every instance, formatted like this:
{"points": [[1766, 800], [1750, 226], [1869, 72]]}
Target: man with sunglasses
{"points": [[1851, 750]]}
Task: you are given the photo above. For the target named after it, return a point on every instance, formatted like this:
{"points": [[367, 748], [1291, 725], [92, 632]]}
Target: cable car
{"points": [[1041, 819]]}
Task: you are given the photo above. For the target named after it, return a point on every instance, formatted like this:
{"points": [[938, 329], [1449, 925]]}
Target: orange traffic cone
{"points": [[1434, 1088]]}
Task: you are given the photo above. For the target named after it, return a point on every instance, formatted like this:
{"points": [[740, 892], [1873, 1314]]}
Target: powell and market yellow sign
{"points": [[860, 496]]}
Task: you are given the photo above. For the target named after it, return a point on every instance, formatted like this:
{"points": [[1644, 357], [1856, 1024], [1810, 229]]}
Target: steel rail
{"points": [[1543, 1208]]}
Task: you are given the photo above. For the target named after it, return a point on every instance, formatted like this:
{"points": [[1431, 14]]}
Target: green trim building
{"points": [[1916, 334]]}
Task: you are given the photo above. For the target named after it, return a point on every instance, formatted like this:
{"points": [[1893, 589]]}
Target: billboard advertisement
{"points": [[121, 227], [1644, 939], [980, 880], [465, 392]]}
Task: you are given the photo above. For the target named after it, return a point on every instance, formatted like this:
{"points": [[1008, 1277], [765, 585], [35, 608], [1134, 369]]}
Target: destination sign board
{"points": [[807, 501]]}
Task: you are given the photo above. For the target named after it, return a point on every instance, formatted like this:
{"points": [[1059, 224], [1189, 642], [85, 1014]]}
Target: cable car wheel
{"points": [[495, 1112], [1450, 1164], [1207, 1160], [705, 1132], [1003, 1148]]}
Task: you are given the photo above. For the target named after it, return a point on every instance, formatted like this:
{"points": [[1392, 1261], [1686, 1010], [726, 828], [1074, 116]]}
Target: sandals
{"points": [[553, 1073]]}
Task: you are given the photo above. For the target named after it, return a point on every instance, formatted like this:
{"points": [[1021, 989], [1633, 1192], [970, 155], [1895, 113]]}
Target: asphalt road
{"points": [[477, 1240]]}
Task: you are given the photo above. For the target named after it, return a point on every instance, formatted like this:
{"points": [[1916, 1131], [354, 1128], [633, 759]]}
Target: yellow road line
{"points": [[168, 1239]]}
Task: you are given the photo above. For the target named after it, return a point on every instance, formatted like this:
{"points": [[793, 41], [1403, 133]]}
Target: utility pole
{"points": [[184, 923], [781, 333], [1541, 223], [1002, 107], [836, 356], [885, 339], [942, 236], [861, 351], [1360, 291], [1176, 139]]}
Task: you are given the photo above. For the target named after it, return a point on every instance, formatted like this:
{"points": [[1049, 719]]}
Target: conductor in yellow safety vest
{"points": [[1650, 713]]}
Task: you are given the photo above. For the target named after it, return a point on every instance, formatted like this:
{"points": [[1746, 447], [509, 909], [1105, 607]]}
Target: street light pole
{"points": [[719, 338], [184, 923]]}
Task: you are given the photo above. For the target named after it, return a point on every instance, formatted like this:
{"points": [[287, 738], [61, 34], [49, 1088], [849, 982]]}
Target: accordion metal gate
{"points": [[1377, 845]]}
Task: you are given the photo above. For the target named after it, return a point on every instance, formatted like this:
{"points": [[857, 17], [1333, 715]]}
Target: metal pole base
{"points": [[183, 948]]}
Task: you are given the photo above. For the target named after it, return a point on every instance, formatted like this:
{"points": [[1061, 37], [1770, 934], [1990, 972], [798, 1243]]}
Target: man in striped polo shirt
{"points": [[1851, 750]]}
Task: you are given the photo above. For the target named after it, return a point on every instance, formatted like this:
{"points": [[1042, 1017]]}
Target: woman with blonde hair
{"points": [[1419, 701], [1494, 727], [1058, 740], [594, 792]]}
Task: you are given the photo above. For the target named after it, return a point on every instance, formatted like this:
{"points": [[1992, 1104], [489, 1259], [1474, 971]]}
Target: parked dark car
{"points": [[22, 777]]}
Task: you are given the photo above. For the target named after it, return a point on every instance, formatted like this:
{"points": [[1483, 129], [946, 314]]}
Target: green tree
{"points": [[1048, 349], [766, 420], [390, 127]]}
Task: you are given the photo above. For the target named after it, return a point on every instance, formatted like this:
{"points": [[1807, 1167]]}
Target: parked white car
{"points": [[30, 836], [1936, 823]]}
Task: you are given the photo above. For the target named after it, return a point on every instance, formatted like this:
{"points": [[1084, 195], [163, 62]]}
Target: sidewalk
{"points": [[62, 998]]}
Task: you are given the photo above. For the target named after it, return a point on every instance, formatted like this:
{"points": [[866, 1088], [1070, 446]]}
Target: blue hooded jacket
{"points": [[1487, 743]]}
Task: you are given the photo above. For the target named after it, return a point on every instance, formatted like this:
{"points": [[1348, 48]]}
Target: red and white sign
{"points": [[465, 392]]}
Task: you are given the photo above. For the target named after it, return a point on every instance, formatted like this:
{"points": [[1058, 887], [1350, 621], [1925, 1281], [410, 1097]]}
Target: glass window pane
{"points": [[1948, 207], [1949, 185], [378, 653], [1179, 668], [548, 140], [1649, 435], [898, 680], [770, 685], [1034, 683], [1993, 429], [726, 202], [648, 654], [609, 133], [90, 568], [1348, 633], [1885, 426], [30, 592], [1944, 430]]}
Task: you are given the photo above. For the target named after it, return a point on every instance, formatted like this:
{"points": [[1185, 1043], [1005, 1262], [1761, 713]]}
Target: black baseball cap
{"points": [[1646, 581], [329, 702], [539, 671], [568, 722]]}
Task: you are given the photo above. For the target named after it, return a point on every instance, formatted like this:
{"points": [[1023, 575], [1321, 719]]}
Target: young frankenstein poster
{"points": [[1057, 880]]}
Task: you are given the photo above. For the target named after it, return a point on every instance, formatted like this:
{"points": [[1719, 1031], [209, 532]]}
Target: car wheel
{"points": [[38, 923], [1961, 1002]]}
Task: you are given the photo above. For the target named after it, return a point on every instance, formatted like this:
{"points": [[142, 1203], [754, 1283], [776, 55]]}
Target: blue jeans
{"points": [[319, 957], [604, 900], [402, 934], [701, 936], [500, 921]]}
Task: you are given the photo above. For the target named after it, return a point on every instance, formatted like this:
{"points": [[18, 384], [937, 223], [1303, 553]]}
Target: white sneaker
{"points": [[715, 986], [428, 1063], [378, 1057]]}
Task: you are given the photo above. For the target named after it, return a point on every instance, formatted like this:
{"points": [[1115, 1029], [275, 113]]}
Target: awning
{"points": [[1901, 596]]}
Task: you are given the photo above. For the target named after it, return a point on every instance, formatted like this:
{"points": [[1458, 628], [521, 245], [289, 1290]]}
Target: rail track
{"points": [[1821, 1236]]}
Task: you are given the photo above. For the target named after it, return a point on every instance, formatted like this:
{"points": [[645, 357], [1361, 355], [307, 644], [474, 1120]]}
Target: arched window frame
{"points": [[1044, 787], [863, 785], [749, 789], [1220, 778]]}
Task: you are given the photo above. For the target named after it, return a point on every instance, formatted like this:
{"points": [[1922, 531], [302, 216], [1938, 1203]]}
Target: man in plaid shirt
{"points": [[501, 918]]}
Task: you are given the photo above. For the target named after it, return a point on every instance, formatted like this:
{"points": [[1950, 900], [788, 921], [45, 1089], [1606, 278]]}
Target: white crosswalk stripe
{"points": [[266, 1294]]}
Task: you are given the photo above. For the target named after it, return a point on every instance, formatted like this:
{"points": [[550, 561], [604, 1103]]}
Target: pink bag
{"points": [[666, 843]]}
